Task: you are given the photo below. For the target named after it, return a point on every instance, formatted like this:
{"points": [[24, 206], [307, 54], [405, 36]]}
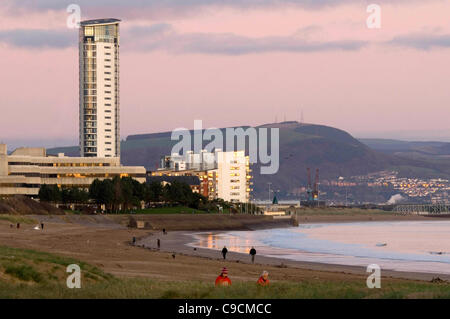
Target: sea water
{"points": [[416, 246]]}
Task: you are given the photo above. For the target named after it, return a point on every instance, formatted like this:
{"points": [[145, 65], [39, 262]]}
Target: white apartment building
{"points": [[99, 88], [190, 161], [227, 173], [233, 171]]}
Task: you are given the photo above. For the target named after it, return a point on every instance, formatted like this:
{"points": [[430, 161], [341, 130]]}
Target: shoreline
{"points": [[223, 222], [105, 242], [178, 242]]}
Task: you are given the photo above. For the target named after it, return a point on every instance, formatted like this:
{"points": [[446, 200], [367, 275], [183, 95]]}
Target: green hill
{"points": [[399, 147], [335, 152]]}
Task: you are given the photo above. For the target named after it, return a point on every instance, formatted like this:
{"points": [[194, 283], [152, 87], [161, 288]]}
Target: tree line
{"points": [[123, 193]]}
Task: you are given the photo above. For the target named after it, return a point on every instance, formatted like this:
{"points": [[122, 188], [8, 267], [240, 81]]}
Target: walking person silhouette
{"points": [[224, 252]]}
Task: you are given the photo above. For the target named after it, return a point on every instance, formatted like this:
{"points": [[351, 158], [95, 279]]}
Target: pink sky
{"points": [[233, 65]]}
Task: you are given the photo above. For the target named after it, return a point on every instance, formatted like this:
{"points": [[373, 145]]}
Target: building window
{"points": [[89, 31]]}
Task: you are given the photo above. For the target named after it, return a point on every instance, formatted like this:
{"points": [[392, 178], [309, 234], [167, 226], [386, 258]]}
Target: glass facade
{"points": [[97, 59]]}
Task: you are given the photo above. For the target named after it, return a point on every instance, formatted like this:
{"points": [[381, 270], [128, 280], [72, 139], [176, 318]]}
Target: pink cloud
{"points": [[354, 90]]}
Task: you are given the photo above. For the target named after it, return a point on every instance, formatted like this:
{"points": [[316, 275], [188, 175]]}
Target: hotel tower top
{"points": [[99, 88]]}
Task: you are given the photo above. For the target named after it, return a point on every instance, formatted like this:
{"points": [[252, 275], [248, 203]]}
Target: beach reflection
{"points": [[218, 241], [402, 246]]}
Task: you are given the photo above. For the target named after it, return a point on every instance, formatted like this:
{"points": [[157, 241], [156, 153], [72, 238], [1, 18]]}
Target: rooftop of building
{"points": [[40, 154], [99, 21]]}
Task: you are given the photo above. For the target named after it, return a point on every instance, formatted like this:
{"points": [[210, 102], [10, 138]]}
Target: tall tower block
{"points": [[99, 88]]}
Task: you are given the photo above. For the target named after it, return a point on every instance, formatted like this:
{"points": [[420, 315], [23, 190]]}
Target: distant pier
{"points": [[423, 209]]}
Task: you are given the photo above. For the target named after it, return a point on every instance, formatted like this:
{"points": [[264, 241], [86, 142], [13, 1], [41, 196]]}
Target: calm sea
{"points": [[402, 246]]}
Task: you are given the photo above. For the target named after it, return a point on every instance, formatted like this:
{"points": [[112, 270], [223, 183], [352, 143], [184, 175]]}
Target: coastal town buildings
{"points": [[225, 175], [24, 170]]}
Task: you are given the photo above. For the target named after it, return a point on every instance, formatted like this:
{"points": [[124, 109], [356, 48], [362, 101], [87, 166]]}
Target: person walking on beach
{"points": [[253, 253], [224, 252], [264, 279], [222, 279], [158, 242]]}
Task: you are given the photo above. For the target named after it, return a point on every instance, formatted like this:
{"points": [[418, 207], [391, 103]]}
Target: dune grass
{"points": [[32, 274], [146, 288], [29, 267], [14, 219]]}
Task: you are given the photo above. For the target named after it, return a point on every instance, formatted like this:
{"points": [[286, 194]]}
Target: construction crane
{"points": [[309, 190], [312, 191], [315, 192]]}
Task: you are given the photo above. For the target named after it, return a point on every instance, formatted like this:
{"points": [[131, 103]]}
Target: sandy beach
{"points": [[109, 247]]}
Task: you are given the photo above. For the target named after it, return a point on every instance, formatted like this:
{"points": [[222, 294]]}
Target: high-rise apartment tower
{"points": [[99, 88]]}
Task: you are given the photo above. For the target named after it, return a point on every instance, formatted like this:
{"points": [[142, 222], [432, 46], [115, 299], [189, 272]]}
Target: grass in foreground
{"points": [[145, 288], [33, 274], [23, 267], [14, 219]]}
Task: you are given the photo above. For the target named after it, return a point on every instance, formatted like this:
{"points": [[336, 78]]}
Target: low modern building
{"points": [[225, 175], [26, 169]]}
